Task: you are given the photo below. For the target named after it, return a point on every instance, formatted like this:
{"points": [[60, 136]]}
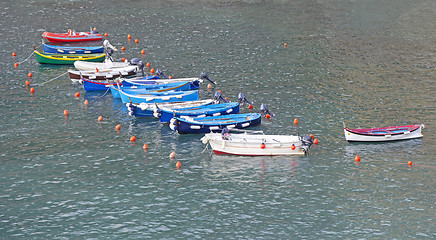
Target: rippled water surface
{"points": [[365, 63]]}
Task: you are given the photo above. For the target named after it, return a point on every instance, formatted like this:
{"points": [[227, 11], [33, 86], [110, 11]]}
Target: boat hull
{"points": [[71, 50], [214, 123], [67, 59], [70, 38], [165, 114], [383, 134], [256, 145], [104, 75], [160, 97], [147, 109], [145, 89], [92, 66]]}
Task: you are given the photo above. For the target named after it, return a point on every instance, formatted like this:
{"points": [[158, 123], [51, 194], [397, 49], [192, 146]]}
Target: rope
{"points": [[29, 55], [52, 79], [104, 93]]}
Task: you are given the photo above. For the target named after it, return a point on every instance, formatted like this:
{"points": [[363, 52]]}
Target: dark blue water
{"points": [[367, 64]]}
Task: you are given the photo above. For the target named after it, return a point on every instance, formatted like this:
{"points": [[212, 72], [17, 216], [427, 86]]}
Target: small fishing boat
{"points": [[152, 80], [159, 97], [96, 85], [383, 134], [161, 78], [67, 59], [147, 109], [256, 143], [71, 36], [106, 65], [214, 123], [103, 75], [146, 89], [165, 114], [71, 50]]}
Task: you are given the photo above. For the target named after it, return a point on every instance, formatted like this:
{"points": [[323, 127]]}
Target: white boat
{"points": [[103, 75], [383, 134], [255, 143], [92, 66]]}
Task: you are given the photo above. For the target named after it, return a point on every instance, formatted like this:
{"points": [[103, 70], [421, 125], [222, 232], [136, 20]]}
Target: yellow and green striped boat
{"points": [[67, 59]]}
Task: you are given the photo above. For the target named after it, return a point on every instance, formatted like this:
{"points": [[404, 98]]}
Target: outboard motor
{"points": [[242, 99], [141, 65], [307, 141], [109, 53], [134, 61], [225, 133], [219, 97], [203, 75], [107, 45], [160, 73], [265, 111]]}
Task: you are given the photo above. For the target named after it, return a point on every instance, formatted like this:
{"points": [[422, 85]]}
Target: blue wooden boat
{"points": [[159, 97], [146, 89], [96, 85], [147, 109], [214, 123], [71, 50], [166, 114], [151, 80]]}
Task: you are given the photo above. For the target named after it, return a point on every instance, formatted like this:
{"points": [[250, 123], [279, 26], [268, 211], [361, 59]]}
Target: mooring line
{"points": [[40, 84], [29, 55]]}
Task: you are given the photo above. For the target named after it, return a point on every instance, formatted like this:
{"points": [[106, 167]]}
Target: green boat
{"points": [[67, 59]]}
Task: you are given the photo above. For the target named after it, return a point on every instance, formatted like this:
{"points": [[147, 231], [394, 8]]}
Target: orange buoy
{"points": [[29, 74], [14, 54], [295, 120], [133, 138], [209, 85], [86, 102], [95, 29], [267, 115], [129, 36], [123, 59], [312, 136], [32, 90], [357, 158], [172, 154], [285, 45], [250, 106], [66, 113], [77, 94], [145, 146], [27, 83], [410, 163], [100, 118], [170, 77], [118, 127], [315, 141], [262, 145], [152, 71], [148, 64], [123, 48], [178, 164], [293, 147], [105, 34], [16, 64], [143, 52], [136, 41]]}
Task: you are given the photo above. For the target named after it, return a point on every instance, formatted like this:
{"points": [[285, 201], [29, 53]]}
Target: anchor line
{"points": [[29, 55], [52, 79]]}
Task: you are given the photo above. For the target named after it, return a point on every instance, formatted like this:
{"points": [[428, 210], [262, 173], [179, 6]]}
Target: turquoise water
{"points": [[365, 63]]}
